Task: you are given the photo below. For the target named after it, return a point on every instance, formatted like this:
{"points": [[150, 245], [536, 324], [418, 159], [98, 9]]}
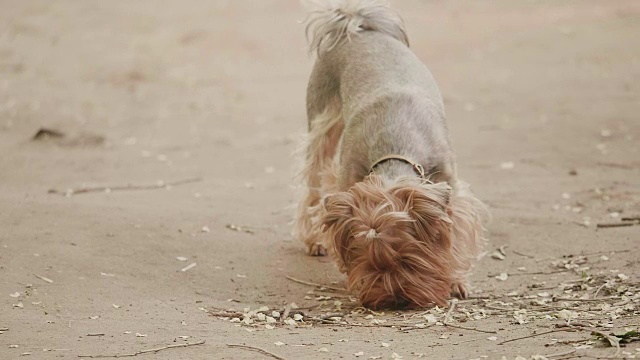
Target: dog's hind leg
{"points": [[325, 129]]}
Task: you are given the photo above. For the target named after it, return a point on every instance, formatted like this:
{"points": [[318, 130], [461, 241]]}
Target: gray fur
{"points": [[389, 101]]}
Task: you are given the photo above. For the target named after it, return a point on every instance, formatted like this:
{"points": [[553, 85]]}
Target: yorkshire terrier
{"points": [[382, 196]]}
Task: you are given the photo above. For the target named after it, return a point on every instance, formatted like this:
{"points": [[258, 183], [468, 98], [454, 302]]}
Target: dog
{"points": [[382, 195]]}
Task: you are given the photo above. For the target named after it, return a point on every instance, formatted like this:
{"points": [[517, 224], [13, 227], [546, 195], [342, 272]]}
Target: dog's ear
{"points": [[336, 224], [427, 204], [337, 208]]}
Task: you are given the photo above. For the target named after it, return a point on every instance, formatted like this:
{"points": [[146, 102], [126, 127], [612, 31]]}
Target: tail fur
{"points": [[332, 22]]}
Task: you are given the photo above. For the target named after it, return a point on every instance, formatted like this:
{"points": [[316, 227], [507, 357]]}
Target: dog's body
{"points": [[376, 117]]}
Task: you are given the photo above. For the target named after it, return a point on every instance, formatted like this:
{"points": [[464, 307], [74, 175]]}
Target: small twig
{"points": [[606, 252], [44, 279], [471, 329], [4, 329], [159, 185], [585, 300], [614, 225], [143, 351], [315, 284], [260, 350], [598, 291], [226, 314], [564, 353], [631, 218], [534, 335], [447, 316], [329, 316], [95, 334], [531, 273], [285, 314], [522, 254]]}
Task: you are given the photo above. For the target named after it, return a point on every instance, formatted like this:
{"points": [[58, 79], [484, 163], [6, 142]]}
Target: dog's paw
{"points": [[459, 290], [316, 249]]}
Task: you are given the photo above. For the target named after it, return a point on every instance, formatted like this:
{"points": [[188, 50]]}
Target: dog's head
{"points": [[393, 242]]}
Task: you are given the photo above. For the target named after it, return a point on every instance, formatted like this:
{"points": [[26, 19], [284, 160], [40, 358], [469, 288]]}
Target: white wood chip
{"points": [[44, 279], [181, 258], [188, 267]]}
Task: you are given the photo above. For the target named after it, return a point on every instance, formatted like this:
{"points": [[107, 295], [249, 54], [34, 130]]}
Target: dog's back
{"points": [[388, 99], [363, 52]]}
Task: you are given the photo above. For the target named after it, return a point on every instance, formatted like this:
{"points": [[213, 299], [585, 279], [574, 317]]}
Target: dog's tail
{"points": [[333, 21]]}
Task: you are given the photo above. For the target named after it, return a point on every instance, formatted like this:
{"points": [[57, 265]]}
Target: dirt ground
{"points": [[542, 98]]}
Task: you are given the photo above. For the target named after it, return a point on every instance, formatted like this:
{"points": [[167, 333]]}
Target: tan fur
{"points": [[401, 240], [318, 177]]}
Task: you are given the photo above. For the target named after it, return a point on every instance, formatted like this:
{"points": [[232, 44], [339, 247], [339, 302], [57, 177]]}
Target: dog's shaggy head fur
{"points": [[397, 244]]}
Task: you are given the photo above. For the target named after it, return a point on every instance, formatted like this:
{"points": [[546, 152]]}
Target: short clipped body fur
{"points": [[403, 240]]}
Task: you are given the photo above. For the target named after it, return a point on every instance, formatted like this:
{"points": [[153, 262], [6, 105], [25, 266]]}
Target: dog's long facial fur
{"points": [[401, 240], [394, 243]]}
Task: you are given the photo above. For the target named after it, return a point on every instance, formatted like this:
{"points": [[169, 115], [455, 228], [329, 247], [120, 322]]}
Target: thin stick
{"points": [[44, 279], [329, 316], [160, 185], [586, 300], [4, 329], [598, 291], [631, 218], [534, 335], [143, 351], [315, 284], [471, 329], [532, 273], [285, 314], [522, 254], [260, 350], [226, 314], [447, 316], [614, 225], [564, 353]]}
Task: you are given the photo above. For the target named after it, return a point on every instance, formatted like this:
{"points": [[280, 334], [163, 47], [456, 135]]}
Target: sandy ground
{"points": [[542, 99]]}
